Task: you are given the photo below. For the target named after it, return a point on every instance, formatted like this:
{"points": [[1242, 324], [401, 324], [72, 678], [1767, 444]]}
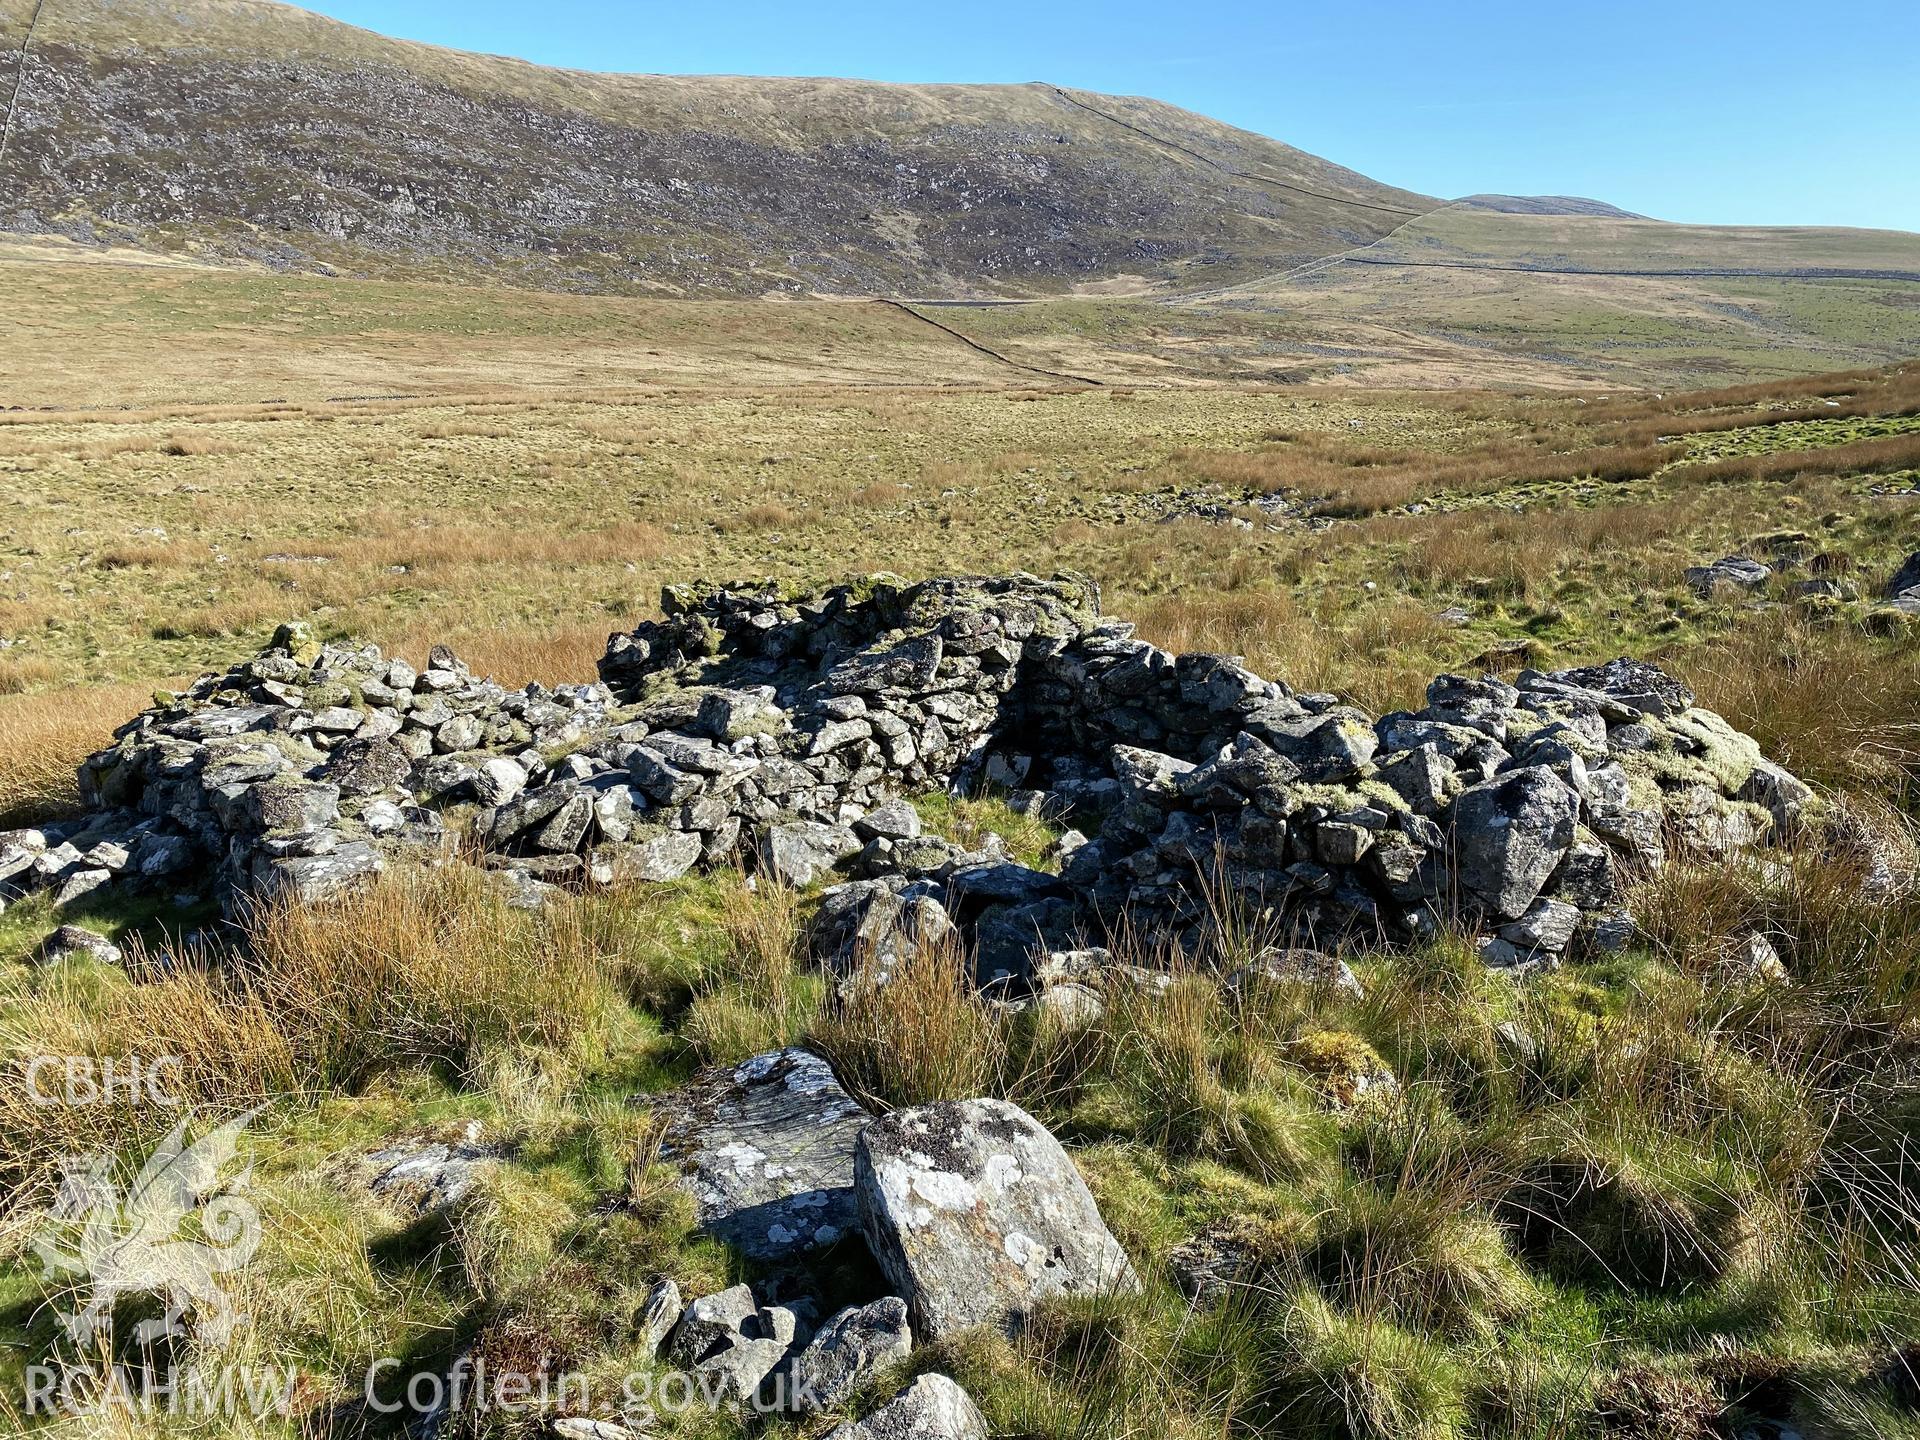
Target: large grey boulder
{"points": [[895, 820], [1331, 746], [767, 1147], [907, 666], [869, 928], [1509, 835], [975, 1213], [309, 879], [932, 1408], [853, 1345], [497, 780], [367, 767], [662, 856]]}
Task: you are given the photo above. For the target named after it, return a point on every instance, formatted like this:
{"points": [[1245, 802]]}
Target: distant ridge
{"points": [[246, 130], [1549, 205]]}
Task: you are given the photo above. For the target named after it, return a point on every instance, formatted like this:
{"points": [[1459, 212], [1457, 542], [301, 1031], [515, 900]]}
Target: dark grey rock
{"points": [[79, 883], [1548, 925], [767, 1148], [524, 812], [651, 860], [74, 942], [309, 879], [1639, 687], [1331, 746], [1783, 796], [895, 820], [1509, 835], [907, 666], [730, 1344], [367, 767], [427, 1177], [1737, 572], [1311, 969], [866, 928], [801, 851], [1906, 578], [292, 806], [659, 1313], [847, 1350], [497, 780], [564, 831]]}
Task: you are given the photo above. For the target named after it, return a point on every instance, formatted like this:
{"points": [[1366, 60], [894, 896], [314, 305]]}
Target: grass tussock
{"points": [[1829, 702], [761, 1000], [423, 971], [924, 1034]]}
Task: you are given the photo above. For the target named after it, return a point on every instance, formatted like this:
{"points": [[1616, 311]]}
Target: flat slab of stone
{"points": [[975, 1213], [767, 1147]]}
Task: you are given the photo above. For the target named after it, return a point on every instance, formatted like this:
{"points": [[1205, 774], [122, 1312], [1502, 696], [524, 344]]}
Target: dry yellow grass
{"points": [[1828, 701], [44, 737], [1347, 480], [566, 654]]}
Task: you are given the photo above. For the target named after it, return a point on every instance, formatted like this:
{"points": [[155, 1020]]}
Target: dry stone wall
{"points": [[788, 728]]}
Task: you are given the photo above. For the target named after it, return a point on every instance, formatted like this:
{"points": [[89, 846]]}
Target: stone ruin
{"points": [[788, 732]]}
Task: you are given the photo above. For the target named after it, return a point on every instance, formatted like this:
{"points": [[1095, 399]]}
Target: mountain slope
{"points": [[244, 129]]}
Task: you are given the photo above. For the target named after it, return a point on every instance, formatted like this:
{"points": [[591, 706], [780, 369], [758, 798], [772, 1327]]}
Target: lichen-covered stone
{"points": [[849, 1348], [975, 1213], [1509, 835]]}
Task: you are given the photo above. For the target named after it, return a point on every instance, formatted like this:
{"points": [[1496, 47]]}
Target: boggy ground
{"points": [[1640, 1196]]}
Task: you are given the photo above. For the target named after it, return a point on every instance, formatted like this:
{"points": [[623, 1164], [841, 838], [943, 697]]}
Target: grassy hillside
{"points": [[255, 130], [1604, 301], [1467, 235]]}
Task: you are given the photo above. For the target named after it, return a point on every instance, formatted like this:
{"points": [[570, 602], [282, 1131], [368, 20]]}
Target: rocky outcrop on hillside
{"points": [[784, 729]]}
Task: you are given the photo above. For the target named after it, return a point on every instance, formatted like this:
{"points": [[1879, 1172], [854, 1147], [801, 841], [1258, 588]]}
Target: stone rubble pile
{"points": [[295, 773], [784, 730]]}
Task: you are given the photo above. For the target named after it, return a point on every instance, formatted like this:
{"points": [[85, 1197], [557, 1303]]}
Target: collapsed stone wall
{"points": [[786, 728]]}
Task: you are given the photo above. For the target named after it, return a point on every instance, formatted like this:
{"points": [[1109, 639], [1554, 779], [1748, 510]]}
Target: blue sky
{"points": [[1757, 113]]}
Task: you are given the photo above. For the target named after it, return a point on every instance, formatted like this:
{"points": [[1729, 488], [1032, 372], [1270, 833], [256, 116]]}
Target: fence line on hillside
{"points": [[19, 78]]}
